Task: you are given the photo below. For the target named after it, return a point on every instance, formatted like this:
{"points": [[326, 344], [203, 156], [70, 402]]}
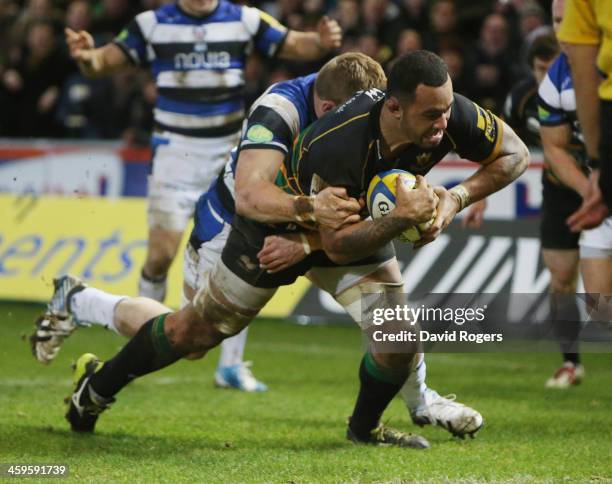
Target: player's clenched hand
{"points": [[330, 33], [417, 205], [333, 208], [593, 210], [445, 213], [475, 215], [280, 252], [80, 45]]}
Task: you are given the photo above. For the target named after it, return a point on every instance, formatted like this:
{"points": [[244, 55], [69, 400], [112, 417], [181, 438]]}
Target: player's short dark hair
{"points": [[410, 70], [545, 46]]}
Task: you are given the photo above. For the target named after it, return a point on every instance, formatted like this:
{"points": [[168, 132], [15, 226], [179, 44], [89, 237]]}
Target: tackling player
{"points": [[196, 50], [412, 127], [274, 121]]}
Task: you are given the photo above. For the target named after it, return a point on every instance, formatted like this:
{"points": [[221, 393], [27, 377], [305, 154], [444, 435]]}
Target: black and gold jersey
{"points": [[343, 148]]}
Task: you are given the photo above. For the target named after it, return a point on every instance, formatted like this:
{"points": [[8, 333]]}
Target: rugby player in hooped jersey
{"points": [[196, 50], [412, 127]]}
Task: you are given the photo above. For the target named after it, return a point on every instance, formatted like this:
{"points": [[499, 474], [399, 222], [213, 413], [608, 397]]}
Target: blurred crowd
{"points": [[42, 94]]}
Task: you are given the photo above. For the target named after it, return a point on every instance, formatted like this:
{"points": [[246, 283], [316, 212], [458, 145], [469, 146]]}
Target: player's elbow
{"points": [[334, 249], [338, 257], [524, 158], [244, 203]]}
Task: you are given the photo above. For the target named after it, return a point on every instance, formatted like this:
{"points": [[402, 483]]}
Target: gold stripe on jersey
{"points": [[365, 163], [498, 142], [337, 127]]}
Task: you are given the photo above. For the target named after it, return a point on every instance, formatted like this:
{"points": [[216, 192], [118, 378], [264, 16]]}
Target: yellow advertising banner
{"points": [[101, 240]]}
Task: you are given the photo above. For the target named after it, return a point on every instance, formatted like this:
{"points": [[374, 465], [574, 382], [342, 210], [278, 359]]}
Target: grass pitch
{"points": [[174, 426]]}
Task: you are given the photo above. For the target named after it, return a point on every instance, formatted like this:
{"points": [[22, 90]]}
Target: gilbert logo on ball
{"points": [[381, 199]]}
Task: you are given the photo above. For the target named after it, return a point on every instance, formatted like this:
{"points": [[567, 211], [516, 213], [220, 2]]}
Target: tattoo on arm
{"points": [[361, 240]]}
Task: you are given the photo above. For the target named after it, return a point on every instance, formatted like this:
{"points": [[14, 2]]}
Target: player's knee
{"points": [[398, 362], [224, 316], [190, 334], [563, 282]]}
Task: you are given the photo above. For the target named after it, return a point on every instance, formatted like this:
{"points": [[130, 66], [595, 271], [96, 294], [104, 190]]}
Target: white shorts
{"points": [[183, 168], [196, 265], [597, 243]]}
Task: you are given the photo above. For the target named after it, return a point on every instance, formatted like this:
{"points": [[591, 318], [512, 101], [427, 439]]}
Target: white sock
{"points": [[94, 306], [413, 391], [232, 349], [152, 288]]}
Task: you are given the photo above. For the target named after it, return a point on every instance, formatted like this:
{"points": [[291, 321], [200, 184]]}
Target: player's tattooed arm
{"points": [[356, 241], [506, 165]]}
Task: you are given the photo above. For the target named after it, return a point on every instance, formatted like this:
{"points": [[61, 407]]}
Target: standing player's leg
{"points": [[564, 312], [183, 168], [560, 255], [424, 404]]}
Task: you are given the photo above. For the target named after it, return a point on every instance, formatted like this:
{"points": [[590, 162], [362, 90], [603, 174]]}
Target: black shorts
{"points": [[558, 203], [605, 152], [246, 239]]}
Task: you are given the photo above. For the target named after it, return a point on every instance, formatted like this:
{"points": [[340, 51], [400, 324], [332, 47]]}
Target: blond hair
{"points": [[339, 78]]}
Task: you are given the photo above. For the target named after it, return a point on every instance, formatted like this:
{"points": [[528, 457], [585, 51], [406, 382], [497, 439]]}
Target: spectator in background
{"points": [[452, 54], [346, 14], [34, 83], [531, 18], [382, 19], [78, 15], [110, 16], [493, 71], [409, 40], [414, 14], [443, 25]]}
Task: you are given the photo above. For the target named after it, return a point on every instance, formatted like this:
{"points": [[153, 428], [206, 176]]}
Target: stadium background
{"points": [[79, 147], [73, 164]]}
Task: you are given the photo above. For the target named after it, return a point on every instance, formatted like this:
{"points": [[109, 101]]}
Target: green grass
{"points": [[173, 426]]}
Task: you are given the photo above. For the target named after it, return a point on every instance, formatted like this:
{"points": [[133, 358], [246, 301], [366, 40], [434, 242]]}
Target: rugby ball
{"points": [[381, 200]]}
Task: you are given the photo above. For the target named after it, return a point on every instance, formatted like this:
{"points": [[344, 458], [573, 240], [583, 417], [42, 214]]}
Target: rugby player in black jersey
{"points": [[411, 126]]}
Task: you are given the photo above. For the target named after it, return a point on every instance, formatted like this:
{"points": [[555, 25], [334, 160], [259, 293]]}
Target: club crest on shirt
{"points": [[258, 133]]}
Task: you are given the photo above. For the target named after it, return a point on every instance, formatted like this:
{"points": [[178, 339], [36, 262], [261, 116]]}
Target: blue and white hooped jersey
{"points": [[198, 63], [275, 120], [557, 99]]}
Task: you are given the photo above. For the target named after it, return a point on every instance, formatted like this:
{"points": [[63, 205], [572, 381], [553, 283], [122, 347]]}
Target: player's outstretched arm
{"points": [[556, 143], [258, 198], [312, 45], [356, 241], [91, 61]]}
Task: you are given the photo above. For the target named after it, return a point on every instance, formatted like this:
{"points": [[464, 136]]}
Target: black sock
{"points": [[378, 387], [153, 279], [566, 319], [148, 351]]}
